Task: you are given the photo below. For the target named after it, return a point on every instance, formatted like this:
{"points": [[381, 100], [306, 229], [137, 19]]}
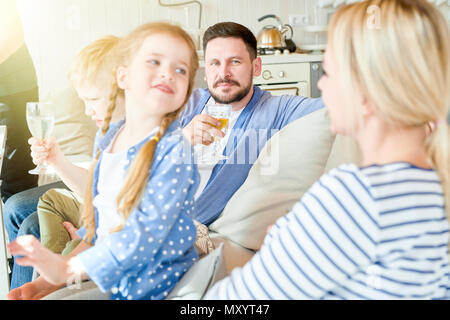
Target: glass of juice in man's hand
{"points": [[220, 112], [40, 120]]}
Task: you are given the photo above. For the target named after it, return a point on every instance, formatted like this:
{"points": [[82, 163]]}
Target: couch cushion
{"points": [[234, 255], [200, 277], [74, 131], [289, 164], [344, 150]]}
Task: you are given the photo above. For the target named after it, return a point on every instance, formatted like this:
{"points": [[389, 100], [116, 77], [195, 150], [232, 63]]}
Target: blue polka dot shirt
{"points": [[155, 248]]}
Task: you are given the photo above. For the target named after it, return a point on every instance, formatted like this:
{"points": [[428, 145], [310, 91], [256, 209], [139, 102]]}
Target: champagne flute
{"points": [[220, 112], [40, 120]]}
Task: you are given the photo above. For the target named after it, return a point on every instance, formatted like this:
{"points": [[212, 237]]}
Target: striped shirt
{"points": [[378, 232]]}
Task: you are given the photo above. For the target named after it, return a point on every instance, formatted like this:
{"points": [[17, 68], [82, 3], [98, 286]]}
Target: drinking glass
{"points": [[220, 112], [40, 120]]}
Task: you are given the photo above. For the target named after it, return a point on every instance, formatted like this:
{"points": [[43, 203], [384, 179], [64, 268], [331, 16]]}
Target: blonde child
{"points": [[379, 231], [138, 232], [91, 75]]}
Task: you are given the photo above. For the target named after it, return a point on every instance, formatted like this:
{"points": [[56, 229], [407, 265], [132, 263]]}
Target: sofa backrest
{"points": [[74, 131]]}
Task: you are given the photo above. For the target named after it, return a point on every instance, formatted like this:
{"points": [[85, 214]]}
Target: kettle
{"points": [[273, 37]]}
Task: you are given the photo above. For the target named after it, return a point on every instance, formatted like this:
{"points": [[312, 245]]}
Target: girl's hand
{"points": [[47, 150], [51, 266]]}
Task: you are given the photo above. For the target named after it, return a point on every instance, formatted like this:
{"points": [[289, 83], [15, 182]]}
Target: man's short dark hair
{"points": [[231, 30]]}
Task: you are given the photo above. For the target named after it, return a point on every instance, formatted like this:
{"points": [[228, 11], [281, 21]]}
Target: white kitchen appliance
{"points": [[292, 74]]}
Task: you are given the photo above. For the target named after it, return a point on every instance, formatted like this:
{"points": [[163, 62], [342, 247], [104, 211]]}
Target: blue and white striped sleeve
{"points": [[169, 193], [327, 236]]}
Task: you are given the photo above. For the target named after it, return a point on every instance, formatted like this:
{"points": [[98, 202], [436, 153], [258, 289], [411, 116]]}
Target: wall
{"points": [[120, 16], [55, 30], [245, 12]]}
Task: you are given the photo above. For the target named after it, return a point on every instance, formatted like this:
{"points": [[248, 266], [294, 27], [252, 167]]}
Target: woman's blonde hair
{"points": [[397, 54], [139, 170], [94, 59]]}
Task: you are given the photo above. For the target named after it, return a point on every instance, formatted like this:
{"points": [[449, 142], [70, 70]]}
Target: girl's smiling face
{"points": [[158, 75]]}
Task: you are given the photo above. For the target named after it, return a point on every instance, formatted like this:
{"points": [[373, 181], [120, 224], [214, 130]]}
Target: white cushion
{"points": [[344, 150], [289, 164], [200, 277], [192, 286], [74, 131], [234, 254]]}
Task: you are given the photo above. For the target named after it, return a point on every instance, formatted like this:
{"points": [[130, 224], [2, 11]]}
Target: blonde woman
{"points": [[379, 231], [138, 204]]}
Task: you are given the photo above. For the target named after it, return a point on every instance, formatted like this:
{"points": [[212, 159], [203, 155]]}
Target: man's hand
{"points": [[202, 130]]}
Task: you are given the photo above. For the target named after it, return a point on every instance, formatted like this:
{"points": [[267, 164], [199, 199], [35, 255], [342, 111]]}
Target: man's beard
{"points": [[227, 98]]}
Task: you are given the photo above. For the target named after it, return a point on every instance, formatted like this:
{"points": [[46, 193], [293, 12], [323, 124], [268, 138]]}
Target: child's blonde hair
{"points": [[397, 54], [138, 172], [94, 59]]}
